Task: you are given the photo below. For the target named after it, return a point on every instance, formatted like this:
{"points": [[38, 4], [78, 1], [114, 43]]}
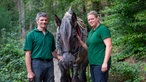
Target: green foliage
{"points": [[126, 72], [5, 23], [12, 62], [130, 45], [6, 18], [127, 19], [126, 15]]}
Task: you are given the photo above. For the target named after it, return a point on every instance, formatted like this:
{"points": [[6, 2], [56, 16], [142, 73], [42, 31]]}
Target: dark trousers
{"points": [[43, 70], [97, 75]]}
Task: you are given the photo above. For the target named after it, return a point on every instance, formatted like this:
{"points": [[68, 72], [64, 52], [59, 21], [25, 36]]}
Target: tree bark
{"points": [[30, 9], [20, 7]]}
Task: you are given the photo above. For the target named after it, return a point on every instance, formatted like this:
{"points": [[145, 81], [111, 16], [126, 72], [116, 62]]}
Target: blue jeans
{"points": [[97, 75], [43, 70]]}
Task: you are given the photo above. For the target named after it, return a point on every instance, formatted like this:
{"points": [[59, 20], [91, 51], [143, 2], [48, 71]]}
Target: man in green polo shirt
{"points": [[39, 50], [99, 46]]}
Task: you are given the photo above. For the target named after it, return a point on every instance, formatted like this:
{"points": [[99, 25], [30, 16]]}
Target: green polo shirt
{"points": [[41, 45], [96, 46]]}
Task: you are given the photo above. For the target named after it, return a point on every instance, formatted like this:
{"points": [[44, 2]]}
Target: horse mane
{"points": [[81, 23], [82, 28]]}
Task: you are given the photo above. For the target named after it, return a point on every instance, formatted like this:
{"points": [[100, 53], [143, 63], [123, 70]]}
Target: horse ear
{"points": [[70, 10], [73, 18], [57, 20]]}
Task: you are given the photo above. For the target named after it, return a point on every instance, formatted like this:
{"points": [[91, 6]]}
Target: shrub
{"points": [[125, 72]]}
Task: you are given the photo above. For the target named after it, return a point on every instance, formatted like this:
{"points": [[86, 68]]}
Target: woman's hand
{"points": [[104, 67]]}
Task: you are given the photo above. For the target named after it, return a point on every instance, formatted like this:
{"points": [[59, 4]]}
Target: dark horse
{"points": [[74, 62]]}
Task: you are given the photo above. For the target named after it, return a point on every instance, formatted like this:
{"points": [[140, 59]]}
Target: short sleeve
{"points": [[28, 42], [53, 44], [105, 33]]}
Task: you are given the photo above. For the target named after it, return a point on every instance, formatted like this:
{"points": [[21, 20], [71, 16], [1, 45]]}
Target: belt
{"points": [[44, 60]]}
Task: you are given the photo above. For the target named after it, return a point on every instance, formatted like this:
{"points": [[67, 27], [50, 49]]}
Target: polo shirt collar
{"points": [[96, 27], [40, 31]]}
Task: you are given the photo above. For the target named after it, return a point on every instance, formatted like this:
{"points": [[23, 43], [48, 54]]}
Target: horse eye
{"points": [[75, 36]]}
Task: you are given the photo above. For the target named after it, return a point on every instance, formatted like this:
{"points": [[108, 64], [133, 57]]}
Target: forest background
{"points": [[125, 18]]}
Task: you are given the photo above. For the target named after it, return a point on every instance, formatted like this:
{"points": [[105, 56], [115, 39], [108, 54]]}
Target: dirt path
{"points": [[56, 71]]}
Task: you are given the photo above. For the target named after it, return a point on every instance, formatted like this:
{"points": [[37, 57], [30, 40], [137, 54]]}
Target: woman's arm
{"points": [[108, 43], [82, 43]]}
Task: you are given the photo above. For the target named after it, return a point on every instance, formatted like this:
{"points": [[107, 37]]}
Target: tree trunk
{"points": [[30, 9], [20, 6]]}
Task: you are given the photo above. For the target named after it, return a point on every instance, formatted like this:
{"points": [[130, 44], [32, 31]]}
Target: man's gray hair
{"points": [[93, 13], [41, 14]]}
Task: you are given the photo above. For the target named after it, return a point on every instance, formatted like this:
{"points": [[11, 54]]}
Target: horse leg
{"points": [[82, 74], [75, 73], [65, 76], [68, 76]]}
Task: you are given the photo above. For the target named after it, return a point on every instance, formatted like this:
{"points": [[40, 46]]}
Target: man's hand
{"points": [[59, 58]]}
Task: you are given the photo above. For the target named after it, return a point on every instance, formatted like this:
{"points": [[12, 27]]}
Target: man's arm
{"points": [[28, 65]]}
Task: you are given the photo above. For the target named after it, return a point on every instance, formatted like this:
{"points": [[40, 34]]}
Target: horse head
{"points": [[67, 43], [68, 29]]}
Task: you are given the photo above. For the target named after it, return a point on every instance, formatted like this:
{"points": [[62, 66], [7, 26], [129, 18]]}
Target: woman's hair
{"points": [[41, 14], [93, 13]]}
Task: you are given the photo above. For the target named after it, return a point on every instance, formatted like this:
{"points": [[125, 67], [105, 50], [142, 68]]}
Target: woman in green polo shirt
{"points": [[99, 46]]}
